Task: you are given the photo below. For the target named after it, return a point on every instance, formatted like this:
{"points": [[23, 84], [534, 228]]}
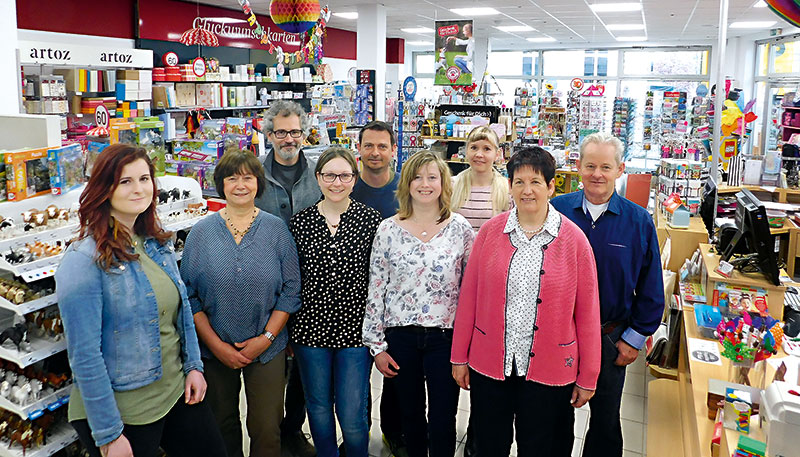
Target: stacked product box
{"points": [[66, 168], [682, 177], [27, 173]]}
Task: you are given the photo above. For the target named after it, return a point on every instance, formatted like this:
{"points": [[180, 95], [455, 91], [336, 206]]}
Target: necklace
{"points": [[536, 230], [240, 233], [424, 232], [322, 211]]}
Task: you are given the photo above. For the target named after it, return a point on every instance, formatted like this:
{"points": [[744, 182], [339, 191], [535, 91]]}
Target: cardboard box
{"points": [[66, 168], [127, 74], [27, 173]]}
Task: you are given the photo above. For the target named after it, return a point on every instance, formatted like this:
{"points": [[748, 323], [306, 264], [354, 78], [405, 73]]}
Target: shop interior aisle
{"points": [[634, 416]]}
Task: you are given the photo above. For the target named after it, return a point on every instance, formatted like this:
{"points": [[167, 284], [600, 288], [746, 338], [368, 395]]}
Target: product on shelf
{"points": [[150, 135], [27, 173], [622, 128], [66, 168]]}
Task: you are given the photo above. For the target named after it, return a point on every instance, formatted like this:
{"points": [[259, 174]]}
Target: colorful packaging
{"points": [[93, 149], [66, 168], [207, 151], [212, 129], [27, 173], [122, 131], [2, 178], [150, 135]]}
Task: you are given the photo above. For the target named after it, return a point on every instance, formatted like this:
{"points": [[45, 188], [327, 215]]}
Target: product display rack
{"points": [[61, 436], [622, 128], [552, 119], [526, 112], [408, 129]]}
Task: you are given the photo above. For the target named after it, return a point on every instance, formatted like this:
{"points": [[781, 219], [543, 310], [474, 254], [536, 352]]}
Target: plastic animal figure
{"points": [[5, 389], [18, 334], [19, 395]]}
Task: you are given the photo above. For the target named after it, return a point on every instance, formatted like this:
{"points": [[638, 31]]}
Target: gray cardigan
{"points": [[305, 192]]}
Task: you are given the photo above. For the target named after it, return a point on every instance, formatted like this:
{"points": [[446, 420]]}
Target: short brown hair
{"points": [[409, 172], [333, 153], [236, 161]]}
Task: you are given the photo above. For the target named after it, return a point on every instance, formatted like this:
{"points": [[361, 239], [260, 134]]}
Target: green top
{"points": [[152, 402]]}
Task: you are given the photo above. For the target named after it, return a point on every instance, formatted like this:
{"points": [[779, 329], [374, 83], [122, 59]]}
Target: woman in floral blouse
{"points": [[415, 272]]}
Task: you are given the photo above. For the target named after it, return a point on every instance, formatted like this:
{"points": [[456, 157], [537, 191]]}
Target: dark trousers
{"points": [[391, 423], [186, 430], [604, 438], [263, 389], [423, 355], [295, 403], [542, 416]]}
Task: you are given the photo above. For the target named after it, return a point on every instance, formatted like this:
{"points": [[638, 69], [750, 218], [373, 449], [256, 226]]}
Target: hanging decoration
{"points": [[788, 10], [198, 36], [294, 16], [310, 45]]}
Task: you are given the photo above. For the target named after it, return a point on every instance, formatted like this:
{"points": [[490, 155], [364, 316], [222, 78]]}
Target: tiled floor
{"points": [[634, 416]]}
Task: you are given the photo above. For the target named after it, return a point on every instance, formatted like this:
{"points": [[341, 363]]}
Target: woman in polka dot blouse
{"points": [[334, 239], [415, 272]]}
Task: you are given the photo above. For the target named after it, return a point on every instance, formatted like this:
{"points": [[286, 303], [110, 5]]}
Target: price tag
{"points": [[199, 67], [54, 406], [101, 116], [35, 414]]}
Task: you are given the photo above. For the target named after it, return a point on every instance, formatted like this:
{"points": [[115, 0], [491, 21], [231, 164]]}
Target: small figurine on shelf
{"points": [[17, 334]]}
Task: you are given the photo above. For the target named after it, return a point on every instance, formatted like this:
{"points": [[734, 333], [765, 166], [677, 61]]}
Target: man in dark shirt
{"points": [[376, 187], [377, 183], [291, 187], [631, 288]]}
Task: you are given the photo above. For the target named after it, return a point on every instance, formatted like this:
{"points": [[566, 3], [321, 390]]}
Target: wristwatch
{"points": [[269, 335]]}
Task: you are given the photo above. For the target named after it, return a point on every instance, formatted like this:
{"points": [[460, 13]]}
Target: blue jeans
{"points": [[461, 62], [423, 355], [604, 438], [340, 377]]}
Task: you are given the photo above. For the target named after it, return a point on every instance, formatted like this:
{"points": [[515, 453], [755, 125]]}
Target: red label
{"points": [[448, 30]]}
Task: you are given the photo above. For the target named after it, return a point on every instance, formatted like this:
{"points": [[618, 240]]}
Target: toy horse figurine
{"points": [[18, 334]]}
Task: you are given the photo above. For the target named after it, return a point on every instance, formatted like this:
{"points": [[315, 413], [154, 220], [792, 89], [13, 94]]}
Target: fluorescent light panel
{"points": [[752, 24], [418, 30], [542, 39], [615, 7], [347, 15], [475, 11], [625, 26], [515, 28], [631, 38]]}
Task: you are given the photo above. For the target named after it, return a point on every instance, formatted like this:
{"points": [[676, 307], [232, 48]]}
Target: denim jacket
{"points": [[305, 192], [112, 329]]}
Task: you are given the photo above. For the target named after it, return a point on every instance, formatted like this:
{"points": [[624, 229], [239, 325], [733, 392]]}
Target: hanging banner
{"points": [[454, 52], [50, 53]]}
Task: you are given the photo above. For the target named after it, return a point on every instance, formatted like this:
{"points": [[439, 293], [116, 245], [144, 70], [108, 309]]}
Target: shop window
{"points": [[763, 59], [423, 63], [665, 62], [785, 57], [509, 63], [580, 63]]}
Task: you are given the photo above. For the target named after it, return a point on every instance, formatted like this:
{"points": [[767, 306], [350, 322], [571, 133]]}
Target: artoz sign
{"points": [[35, 52]]}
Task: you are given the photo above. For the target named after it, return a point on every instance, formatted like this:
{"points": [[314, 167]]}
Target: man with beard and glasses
{"points": [[291, 187]]}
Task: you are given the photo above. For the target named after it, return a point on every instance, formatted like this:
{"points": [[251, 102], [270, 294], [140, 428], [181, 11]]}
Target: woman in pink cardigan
{"points": [[526, 339]]}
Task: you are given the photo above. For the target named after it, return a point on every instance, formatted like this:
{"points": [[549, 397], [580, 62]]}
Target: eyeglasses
{"points": [[282, 133], [345, 178]]}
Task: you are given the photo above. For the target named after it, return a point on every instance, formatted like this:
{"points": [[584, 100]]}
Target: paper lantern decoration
{"points": [[786, 9], [98, 131], [294, 16], [199, 36]]}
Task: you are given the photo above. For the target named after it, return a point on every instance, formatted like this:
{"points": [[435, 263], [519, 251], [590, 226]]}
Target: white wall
{"points": [[10, 77], [69, 38]]}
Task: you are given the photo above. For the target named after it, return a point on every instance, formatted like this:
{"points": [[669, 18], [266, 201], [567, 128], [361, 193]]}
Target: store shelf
{"points": [[61, 436], [33, 271], [60, 233], [791, 107], [793, 127], [208, 108], [33, 410], [242, 83], [183, 225], [41, 348], [30, 306]]}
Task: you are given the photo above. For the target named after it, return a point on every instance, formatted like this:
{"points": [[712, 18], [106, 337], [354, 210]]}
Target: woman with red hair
{"points": [[130, 335]]}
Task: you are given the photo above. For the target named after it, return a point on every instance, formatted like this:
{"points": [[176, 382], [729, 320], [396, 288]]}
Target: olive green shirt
{"points": [[152, 402]]}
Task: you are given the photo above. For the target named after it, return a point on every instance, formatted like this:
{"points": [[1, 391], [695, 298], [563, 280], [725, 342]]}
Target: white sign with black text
{"points": [[36, 52]]}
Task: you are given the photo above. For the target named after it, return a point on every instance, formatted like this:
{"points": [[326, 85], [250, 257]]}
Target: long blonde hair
{"points": [[409, 172], [462, 187]]}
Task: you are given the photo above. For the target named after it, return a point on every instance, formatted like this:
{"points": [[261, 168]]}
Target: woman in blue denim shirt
{"points": [[131, 339]]}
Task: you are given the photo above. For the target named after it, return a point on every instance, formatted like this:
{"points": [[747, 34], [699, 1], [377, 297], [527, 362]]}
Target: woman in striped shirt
{"points": [[480, 192]]}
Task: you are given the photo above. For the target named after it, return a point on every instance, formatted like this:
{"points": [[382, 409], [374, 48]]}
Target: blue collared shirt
{"points": [[625, 248]]}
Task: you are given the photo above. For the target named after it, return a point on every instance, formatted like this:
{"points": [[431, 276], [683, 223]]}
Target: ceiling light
{"points": [[418, 30], [615, 7], [752, 24], [541, 39], [474, 11], [515, 28], [419, 43], [760, 4], [631, 38], [625, 26], [348, 15]]}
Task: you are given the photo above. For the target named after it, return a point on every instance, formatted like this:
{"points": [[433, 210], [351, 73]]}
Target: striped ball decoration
{"points": [[294, 16]]}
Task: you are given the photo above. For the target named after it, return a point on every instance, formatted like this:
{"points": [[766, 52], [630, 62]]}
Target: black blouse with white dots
{"points": [[334, 272]]}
